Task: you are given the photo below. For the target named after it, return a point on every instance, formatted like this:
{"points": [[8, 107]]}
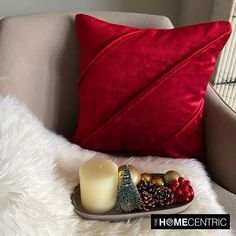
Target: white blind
{"points": [[225, 76]]}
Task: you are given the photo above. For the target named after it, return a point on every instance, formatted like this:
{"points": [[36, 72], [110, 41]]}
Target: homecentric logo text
{"points": [[190, 221]]}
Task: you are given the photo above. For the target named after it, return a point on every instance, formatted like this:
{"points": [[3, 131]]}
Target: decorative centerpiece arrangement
{"points": [[105, 188], [154, 190]]}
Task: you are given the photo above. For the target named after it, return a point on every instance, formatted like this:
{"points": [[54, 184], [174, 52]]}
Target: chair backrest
{"points": [[39, 64], [39, 57]]}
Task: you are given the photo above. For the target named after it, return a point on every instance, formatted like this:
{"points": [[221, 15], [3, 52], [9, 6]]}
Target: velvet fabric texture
{"points": [[142, 90]]}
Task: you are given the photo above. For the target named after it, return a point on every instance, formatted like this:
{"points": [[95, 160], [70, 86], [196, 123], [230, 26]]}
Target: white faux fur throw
{"points": [[38, 170]]}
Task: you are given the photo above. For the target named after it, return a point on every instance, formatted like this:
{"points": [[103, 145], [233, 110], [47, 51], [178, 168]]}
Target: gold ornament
{"points": [[146, 177], [171, 175], [135, 175], [158, 181]]}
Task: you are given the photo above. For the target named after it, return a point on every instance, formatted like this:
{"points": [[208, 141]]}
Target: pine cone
{"points": [[148, 201], [147, 186], [164, 196]]}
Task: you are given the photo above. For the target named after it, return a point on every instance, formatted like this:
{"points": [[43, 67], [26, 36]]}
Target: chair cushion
{"points": [[142, 90]]}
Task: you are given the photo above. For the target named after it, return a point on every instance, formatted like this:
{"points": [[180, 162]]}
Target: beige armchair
{"points": [[39, 65]]}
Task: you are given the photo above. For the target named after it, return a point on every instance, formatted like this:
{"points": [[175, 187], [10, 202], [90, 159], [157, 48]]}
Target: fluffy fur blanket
{"points": [[38, 170]]}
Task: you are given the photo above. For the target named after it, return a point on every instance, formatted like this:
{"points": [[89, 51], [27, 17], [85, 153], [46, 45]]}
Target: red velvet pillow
{"points": [[142, 90]]}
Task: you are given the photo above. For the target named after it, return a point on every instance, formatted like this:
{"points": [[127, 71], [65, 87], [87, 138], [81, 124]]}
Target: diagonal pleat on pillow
{"points": [[101, 53]]}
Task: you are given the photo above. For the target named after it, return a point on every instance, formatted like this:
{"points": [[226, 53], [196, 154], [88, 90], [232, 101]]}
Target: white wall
{"points": [[196, 11], [222, 9], [16, 7], [181, 12], [170, 8], [199, 11]]}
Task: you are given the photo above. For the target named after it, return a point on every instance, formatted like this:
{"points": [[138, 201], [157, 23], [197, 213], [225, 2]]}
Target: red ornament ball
{"points": [[178, 192], [185, 188], [172, 188], [182, 190], [187, 194], [181, 180], [191, 192], [175, 183], [187, 182], [185, 199]]}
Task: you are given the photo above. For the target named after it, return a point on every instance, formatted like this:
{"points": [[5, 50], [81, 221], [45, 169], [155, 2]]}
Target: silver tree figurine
{"points": [[128, 197]]}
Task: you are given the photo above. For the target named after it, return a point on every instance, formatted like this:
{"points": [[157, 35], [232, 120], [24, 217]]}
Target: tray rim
{"points": [[129, 215]]}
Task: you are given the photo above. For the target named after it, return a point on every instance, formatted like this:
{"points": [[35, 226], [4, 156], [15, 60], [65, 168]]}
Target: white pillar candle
{"points": [[98, 185]]}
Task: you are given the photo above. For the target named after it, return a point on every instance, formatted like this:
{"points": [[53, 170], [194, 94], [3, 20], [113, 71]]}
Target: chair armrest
{"points": [[220, 134]]}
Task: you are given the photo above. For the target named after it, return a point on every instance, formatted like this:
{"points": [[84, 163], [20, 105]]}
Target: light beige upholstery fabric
{"points": [[220, 132], [39, 64]]}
